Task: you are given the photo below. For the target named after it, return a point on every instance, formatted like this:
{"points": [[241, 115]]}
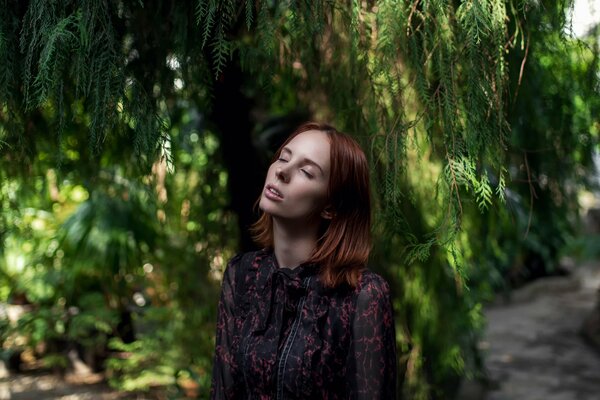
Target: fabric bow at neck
{"points": [[294, 285]]}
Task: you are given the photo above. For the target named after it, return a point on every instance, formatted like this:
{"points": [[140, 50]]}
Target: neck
{"points": [[293, 242]]}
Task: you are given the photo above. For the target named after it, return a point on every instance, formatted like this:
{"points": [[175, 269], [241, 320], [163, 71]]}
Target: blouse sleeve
{"points": [[223, 386], [372, 355]]}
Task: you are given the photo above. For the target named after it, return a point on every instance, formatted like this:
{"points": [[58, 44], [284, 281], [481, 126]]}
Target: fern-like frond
{"points": [[206, 18], [249, 13], [53, 57], [484, 192], [501, 187]]}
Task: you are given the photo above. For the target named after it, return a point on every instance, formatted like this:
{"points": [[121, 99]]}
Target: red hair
{"points": [[345, 241]]}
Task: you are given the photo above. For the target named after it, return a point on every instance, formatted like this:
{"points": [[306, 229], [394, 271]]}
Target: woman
{"points": [[303, 318]]}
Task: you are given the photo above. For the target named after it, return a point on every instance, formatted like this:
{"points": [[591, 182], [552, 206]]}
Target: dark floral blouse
{"points": [[282, 335]]}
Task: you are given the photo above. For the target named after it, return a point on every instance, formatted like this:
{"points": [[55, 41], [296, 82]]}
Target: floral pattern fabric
{"points": [[282, 335]]}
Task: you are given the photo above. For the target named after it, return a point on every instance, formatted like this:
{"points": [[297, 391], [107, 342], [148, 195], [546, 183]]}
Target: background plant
{"points": [[148, 126]]}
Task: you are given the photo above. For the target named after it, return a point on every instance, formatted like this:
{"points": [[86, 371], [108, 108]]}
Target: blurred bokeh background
{"points": [[135, 135]]}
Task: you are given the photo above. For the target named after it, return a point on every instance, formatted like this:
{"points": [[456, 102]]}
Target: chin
{"points": [[263, 206]]}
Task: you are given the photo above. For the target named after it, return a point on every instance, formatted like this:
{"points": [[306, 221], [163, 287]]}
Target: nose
{"points": [[281, 174]]}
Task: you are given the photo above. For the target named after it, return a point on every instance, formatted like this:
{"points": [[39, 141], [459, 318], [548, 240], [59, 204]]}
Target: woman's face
{"points": [[296, 183]]}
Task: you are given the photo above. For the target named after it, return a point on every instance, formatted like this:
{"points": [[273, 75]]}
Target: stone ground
{"points": [[534, 350], [533, 343]]}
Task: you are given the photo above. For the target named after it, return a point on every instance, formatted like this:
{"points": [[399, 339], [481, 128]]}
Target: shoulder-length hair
{"points": [[344, 240]]}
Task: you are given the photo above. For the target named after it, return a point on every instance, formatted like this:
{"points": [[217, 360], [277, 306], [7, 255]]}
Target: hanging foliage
{"points": [[444, 95]]}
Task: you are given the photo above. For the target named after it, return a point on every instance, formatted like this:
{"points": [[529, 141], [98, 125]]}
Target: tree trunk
{"points": [[231, 115]]}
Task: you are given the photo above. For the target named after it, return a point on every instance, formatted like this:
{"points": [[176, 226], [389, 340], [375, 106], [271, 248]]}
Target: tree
{"points": [[427, 87]]}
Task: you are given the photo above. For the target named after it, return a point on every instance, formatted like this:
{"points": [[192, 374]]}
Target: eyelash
{"points": [[308, 175]]}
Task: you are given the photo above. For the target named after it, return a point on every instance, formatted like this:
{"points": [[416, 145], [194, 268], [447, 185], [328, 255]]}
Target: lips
{"points": [[273, 193]]}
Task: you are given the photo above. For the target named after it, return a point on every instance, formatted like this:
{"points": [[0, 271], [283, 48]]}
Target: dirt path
{"points": [[535, 351], [38, 386]]}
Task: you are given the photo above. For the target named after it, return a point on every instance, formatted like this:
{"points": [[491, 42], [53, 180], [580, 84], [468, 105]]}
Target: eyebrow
{"points": [[306, 160]]}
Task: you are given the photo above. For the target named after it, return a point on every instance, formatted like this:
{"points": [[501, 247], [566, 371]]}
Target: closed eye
{"points": [[307, 173], [282, 159]]}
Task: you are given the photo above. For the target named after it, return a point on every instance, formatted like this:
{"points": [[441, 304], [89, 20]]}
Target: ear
{"points": [[328, 212]]}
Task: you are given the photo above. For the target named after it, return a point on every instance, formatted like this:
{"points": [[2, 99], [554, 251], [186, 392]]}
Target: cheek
{"points": [[322, 198], [316, 196]]}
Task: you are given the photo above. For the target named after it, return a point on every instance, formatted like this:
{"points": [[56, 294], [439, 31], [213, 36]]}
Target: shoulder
{"points": [[234, 264], [370, 281], [240, 261], [250, 258], [235, 260], [372, 287]]}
